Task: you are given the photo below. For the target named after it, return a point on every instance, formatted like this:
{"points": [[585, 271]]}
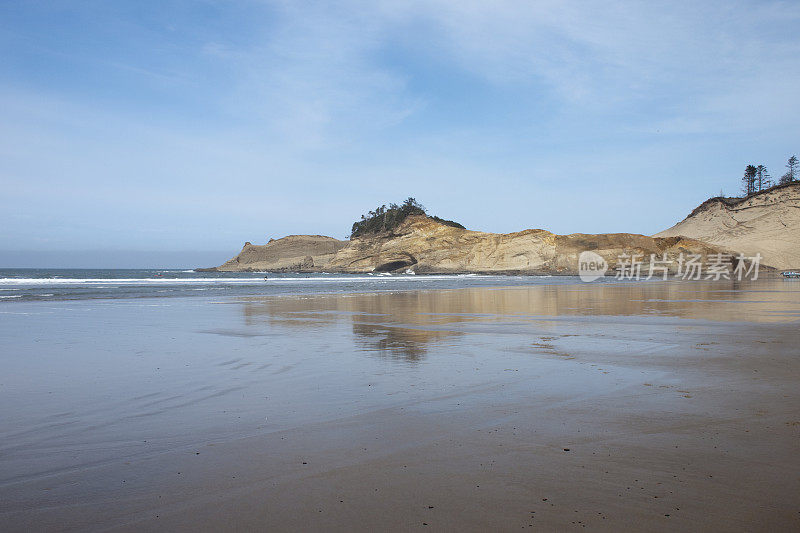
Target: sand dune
{"points": [[767, 223]]}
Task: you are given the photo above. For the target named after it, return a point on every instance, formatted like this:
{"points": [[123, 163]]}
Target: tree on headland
{"points": [[749, 180], [757, 178], [791, 171], [763, 179], [383, 219]]}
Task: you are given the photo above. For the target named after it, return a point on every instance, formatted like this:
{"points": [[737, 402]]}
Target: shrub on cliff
{"points": [[385, 219]]}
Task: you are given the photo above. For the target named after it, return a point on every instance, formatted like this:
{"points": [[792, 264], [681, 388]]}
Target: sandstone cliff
{"points": [[767, 223], [295, 253], [424, 245]]}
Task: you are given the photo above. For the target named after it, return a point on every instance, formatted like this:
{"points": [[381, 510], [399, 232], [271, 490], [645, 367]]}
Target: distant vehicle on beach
{"points": [[791, 274]]}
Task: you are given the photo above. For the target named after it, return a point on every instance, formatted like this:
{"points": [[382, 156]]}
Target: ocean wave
{"points": [[116, 282]]}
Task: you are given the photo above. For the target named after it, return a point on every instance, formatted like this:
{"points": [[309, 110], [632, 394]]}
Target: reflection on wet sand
{"points": [[402, 325], [394, 325], [604, 406], [394, 342]]}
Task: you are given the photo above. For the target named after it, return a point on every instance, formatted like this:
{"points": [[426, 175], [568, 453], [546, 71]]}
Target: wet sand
{"points": [[631, 407]]}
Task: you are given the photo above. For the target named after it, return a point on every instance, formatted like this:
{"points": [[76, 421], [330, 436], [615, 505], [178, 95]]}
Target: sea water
{"points": [[17, 285]]}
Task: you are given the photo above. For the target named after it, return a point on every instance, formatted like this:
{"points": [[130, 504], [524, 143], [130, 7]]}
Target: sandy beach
{"points": [[615, 407]]}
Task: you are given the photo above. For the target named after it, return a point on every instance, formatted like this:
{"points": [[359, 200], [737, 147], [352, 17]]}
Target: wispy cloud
{"points": [[218, 120]]}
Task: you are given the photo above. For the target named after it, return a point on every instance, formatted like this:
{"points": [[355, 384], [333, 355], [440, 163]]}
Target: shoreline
{"points": [[607, 282]]}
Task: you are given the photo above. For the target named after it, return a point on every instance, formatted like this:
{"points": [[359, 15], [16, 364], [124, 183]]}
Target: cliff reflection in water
{"points": [[404, 324]]}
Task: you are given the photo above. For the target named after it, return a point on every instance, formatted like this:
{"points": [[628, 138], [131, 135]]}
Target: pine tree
{"points": [[791, 171], [749, 180], [383, 219], [763, 179]]}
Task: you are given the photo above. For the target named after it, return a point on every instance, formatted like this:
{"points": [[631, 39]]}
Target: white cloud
{"points": [[316, 77], [300, 126]]}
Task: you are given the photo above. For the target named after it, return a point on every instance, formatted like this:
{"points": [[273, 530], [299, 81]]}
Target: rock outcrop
{"points": [[767, 223], [295, 253], [424, 245]]}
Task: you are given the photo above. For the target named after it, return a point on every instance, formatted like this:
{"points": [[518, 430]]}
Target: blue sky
{"points": [[177, 125]]}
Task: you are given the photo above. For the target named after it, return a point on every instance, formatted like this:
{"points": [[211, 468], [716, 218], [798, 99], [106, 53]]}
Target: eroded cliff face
{"points": [[423, 245], [767, 223], [295, 253]]}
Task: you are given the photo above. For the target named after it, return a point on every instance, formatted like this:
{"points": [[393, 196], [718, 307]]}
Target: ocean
{"points": [[19, 285]]}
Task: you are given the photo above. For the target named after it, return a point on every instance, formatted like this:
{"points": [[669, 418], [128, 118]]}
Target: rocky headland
{"points": [[395, 240]]}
